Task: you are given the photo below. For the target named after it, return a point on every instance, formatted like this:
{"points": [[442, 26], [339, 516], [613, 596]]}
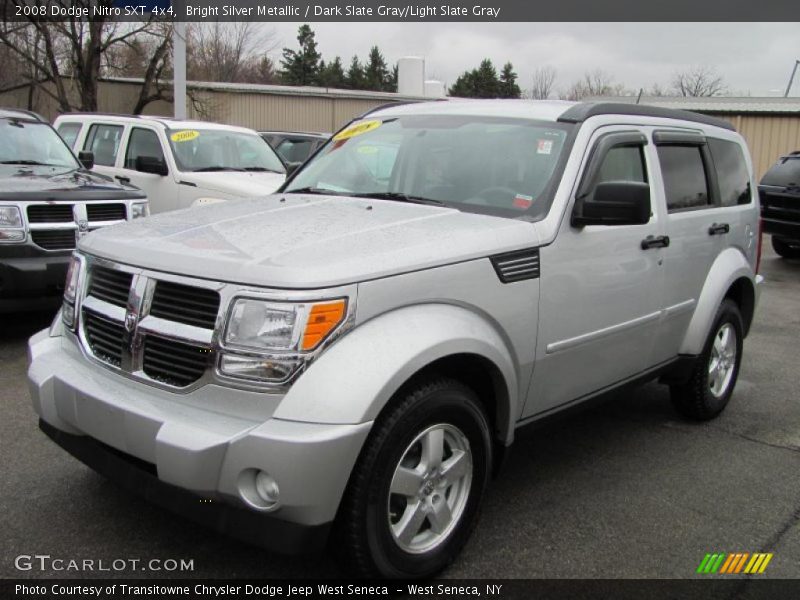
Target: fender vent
{"points": [[517, 266]]}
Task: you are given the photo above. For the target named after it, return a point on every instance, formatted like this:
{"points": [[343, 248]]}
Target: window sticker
{"points": [[544, 146], [186, 135], [356, 129], [523, 201]]}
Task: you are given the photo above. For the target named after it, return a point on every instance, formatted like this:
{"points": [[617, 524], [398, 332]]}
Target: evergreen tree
{"points": [[301, 67], [478, 83], [393, 80], [376, 73], [355, 75], [332, 74], [508, 82]]}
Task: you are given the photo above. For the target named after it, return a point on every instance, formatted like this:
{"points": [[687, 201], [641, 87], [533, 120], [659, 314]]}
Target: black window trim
{"points": [[688, 139]]}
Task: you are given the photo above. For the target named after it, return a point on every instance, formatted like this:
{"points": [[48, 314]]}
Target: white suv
{"points": [[177, 163]]}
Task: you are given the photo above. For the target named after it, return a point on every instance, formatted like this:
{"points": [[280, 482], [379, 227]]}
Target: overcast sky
{"points": [[754, 58]]}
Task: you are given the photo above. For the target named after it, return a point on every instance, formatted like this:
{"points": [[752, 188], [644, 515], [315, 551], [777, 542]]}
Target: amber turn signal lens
{"points": [[322, 319]]}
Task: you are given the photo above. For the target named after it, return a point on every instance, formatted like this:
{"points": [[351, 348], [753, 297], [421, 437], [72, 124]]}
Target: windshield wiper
{"points": [[217, 168], [315, 190], [262, 170], [34, 163], [400, 197]]}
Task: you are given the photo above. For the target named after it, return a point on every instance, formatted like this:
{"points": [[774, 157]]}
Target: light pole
{"points": [[179, 68], [791, 79]]}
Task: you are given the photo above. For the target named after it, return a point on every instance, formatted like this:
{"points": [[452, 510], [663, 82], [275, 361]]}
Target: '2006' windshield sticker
{"points": [[186, 135], [544, 146], [356, 129]]}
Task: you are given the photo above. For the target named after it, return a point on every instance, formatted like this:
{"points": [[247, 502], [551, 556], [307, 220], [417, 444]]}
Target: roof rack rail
{"points": [[584, 110], [26, 112], [375, 109]]}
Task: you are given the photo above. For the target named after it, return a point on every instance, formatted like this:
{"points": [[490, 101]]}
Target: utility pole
{"points": [[179, 68], [791, 79]]}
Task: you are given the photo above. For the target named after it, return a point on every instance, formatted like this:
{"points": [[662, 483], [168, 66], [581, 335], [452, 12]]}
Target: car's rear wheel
{"points": [[713, 378], [785, 249], [415, 493]]}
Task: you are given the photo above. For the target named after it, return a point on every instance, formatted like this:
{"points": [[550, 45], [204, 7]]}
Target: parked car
{"points": [[780, 205], [178, 163], [354, 357], [294, 147], [48, 200]]}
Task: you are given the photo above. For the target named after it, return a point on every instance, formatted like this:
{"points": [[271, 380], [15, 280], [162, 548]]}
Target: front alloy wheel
{"points": [[415, 493]]}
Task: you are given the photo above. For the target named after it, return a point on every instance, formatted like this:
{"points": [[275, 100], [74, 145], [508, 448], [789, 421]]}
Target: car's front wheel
{"points": [[415, 493]]}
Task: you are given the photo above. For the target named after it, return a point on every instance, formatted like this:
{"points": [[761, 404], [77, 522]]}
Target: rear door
{"points": [[697, 230]]}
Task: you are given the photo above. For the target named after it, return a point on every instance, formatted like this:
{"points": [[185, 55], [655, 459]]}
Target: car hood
{"points": [[21, 180], [305, 241], [237, 183]]}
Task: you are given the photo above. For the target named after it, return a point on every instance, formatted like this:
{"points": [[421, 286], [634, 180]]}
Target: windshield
{"points": [[490, 165], [33, 143], [222, 150]]}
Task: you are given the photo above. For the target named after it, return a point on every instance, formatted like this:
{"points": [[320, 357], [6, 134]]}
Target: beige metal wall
{"points": [[768, 136], [263, 111]]}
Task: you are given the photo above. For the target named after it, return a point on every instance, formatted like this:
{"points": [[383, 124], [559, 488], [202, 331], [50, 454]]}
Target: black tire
{"points": [[365, 544], [784, 249], [695, 399]]}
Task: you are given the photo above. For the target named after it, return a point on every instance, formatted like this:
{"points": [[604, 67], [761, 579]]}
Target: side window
{"points": [[142, 142], [103, 141], [69, 132], [623, 163], [734, 181], [684, 174]]}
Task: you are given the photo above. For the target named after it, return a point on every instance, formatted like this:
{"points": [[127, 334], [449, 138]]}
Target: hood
{"points": [[304, 241], [237, 183], [20, 182]]}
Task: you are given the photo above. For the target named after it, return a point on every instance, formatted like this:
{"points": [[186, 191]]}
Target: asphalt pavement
{"points": [[625, 489]]}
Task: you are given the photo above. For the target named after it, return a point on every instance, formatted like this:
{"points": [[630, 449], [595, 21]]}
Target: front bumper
{"points": [[30, 280], [785, 230], [177, 450]]}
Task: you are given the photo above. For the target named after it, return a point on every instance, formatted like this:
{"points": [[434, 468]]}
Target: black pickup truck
{"points": [[780, 205], [48, 200]]}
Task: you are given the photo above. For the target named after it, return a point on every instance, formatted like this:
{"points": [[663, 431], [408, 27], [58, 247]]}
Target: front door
{"points": [[599, 305]]}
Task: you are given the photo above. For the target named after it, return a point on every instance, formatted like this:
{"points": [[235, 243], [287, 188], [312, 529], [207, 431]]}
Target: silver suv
{"points": [[351, 357]]}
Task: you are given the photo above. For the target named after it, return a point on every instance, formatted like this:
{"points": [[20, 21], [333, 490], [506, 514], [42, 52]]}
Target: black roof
{"points": [[19, 113], [584, 110]]}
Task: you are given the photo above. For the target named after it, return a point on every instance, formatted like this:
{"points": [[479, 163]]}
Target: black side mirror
{"points": [[291, 167], [151, 164], [614, 203], [86, 158]]}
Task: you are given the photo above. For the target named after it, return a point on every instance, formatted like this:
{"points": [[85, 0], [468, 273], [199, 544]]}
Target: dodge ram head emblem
{"points": [[83, 228], [130, 321]]}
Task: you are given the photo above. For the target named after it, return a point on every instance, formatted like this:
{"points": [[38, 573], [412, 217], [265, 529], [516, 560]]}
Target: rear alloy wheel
{"points": [[785, 249], [709, 388], [414, 495]]}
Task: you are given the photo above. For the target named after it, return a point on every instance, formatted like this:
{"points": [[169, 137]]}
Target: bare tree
{"points": [[543, 80], [698, 81], [56, 52], [232, 52], [594, 83]]}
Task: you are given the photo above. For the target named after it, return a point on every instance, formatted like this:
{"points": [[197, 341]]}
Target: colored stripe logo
{"points": [[732, 563]]}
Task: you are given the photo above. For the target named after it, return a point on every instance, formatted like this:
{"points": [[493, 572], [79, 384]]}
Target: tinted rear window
{"points": [[734, 181], [684, 175], [785, 173]]}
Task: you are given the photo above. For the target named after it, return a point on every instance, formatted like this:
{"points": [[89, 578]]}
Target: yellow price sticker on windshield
{"points": [[356, 129], [184, 136]]}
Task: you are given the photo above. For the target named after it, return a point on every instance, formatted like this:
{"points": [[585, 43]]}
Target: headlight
{"points": [[139, 209], [265, 340], [10, 216], [71, 292]]}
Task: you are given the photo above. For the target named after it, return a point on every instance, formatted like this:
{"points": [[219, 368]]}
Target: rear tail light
{"points": [[758, 251]]}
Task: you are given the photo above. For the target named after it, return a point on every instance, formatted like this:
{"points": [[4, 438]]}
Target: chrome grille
{"points": [[54, 239], [517, 266], [105, 212], [50, 213], [105, 337], [174, 363], [138, 323], [110, 285], [185, 304]]}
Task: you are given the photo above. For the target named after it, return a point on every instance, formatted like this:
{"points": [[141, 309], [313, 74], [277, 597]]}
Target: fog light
{"points": [[267, 487], [259, 489], [12, 236]]}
